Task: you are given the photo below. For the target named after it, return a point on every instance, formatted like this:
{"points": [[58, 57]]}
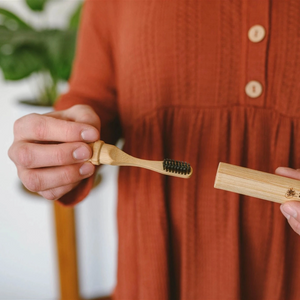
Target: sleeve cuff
{"points": [[77, 194]]}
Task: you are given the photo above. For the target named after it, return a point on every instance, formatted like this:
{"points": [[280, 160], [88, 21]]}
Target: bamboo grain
{"points": [[256, 184], [111, 155]]}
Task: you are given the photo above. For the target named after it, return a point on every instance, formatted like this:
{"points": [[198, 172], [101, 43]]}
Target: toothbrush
{"points": [[112, 155], [257, 184]]}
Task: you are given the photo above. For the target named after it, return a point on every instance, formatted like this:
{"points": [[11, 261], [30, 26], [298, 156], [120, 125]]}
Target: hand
{"points": [[291, 209], [50, 151]]}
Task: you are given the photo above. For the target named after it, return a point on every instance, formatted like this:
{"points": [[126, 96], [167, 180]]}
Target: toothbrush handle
{"points": [[96, 148], [111, 155]]}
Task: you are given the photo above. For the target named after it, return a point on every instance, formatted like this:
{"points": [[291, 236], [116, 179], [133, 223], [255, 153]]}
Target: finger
{"points": [[38, 180], [32, 155], [288, 172], [291, 211], [78, 113], [45, 128], [57, 193], [295, 225]]}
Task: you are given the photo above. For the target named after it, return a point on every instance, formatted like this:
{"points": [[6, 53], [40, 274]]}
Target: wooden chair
{"points": [[67, 254]]}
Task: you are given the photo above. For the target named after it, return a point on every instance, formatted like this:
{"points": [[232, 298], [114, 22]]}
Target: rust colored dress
{"points": [[170, 77]]}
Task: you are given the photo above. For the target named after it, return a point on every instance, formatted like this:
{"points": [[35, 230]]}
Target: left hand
{"points": [[291, 209]]}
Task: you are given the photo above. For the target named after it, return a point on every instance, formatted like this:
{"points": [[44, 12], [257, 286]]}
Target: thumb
{"points": [[291, 209]]}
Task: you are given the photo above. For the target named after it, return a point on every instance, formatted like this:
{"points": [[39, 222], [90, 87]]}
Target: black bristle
{"points": [[175, 166]]}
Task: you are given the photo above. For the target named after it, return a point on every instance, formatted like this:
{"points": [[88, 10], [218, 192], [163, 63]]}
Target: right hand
{"points": [[50, 151]]}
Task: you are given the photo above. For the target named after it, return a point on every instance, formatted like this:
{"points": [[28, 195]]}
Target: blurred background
{"points": [[37, 44]]}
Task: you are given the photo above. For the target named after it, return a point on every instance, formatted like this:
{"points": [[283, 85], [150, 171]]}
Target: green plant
{"points": [[25, 50]]}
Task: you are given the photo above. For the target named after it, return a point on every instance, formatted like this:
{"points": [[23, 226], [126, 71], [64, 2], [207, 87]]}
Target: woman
{"points": [[199, 81]]}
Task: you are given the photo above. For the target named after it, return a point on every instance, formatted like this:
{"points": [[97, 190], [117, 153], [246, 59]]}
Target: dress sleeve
{"points": [[93, 80]]}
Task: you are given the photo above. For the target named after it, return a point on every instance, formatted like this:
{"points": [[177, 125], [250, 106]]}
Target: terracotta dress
{"points": [[170, 77]]}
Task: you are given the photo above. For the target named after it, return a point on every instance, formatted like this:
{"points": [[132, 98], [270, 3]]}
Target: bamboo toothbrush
{"points": [[257, 184], [111, 155]]}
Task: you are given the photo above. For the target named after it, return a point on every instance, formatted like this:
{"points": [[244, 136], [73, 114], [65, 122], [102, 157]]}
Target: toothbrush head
{"points": [[177, 167]]}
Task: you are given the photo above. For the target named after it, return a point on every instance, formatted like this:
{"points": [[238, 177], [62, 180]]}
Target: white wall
{"points": [[28, 268]]}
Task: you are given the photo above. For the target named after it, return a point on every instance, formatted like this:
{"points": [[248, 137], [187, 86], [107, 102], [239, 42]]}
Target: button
{"points": [[253, 89], [256, 33]]}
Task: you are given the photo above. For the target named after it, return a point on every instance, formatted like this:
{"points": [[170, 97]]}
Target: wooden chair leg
{"points": [[66, 252]]}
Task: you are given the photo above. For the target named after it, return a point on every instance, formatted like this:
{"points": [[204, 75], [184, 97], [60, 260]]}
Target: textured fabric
{"points": [[170, 76]]}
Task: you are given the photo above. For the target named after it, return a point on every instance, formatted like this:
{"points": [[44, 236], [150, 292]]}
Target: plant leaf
{"points": [[36, 5], [60, 47], [19, 37], [21, 52], [12, 21], [75, 17], [21, 63]]}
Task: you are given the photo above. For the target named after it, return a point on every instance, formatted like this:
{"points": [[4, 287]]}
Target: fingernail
{"points": [[81, 153], [86, 169], [90, 135], [288, 211]]}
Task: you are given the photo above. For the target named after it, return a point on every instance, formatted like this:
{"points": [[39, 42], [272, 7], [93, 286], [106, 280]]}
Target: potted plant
{"points": [[26, 50]]}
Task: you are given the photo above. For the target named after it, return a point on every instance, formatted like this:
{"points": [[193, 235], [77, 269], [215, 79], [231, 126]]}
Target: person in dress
{"points": [[196, 81]]}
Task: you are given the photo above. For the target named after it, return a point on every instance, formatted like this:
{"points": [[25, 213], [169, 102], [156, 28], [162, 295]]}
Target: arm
{"points": [[93, 76], [93, 79], [44, 149]]}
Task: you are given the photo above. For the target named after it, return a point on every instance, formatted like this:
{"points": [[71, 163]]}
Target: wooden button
{"points": [[253, 89], [256, 33]]}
